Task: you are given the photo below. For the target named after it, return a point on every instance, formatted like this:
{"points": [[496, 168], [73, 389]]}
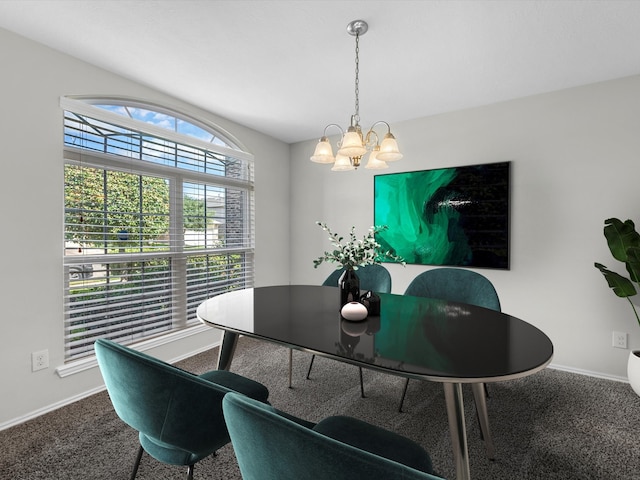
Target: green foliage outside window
{"points": [[100, 205]]}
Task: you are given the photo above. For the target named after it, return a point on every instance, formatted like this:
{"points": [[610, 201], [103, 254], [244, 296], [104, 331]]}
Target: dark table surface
{"points": [[413, 336]]}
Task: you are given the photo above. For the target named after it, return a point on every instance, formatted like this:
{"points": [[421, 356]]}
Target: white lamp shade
{"points": [[352, 145], [389, 151], [323, 152], [342, 164], [374, 163]]}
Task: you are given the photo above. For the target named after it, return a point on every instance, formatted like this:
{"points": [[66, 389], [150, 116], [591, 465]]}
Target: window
{"points": [[158, 217]]}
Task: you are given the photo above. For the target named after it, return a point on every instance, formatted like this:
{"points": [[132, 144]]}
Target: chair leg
{"points": [[404, 393], [310, 365], [137, 464], [313, 357], [190, 472]]}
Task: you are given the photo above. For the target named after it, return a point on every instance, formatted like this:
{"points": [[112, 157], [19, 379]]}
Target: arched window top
{"points": [[165, 118], [172, 122]]}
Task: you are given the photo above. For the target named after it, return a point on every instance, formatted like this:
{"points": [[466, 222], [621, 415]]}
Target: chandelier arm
{"points": [[332, 125], [379, 122]]}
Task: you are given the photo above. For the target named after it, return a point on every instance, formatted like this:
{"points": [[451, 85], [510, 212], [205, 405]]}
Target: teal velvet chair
{"points": [[375, 278], [456, 285], [463, 286], [272, 445], [178, 415]]}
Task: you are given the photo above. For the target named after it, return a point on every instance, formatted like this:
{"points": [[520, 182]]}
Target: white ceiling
{"points": [[286, 68]]}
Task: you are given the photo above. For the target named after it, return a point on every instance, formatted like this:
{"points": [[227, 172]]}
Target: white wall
{"points": [[575, 161], [31, 197]]}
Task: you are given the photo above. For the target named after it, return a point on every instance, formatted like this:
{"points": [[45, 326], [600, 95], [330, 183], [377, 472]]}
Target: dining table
{"points": [[414, 337]]}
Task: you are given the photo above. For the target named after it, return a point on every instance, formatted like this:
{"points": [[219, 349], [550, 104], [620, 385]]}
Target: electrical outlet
{"points": [[619, 340], [39, 360]]}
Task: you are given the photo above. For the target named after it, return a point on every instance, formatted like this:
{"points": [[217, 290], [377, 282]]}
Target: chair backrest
{"points": [[161, 401], [372, 277], [456, 285], [270, 446]]}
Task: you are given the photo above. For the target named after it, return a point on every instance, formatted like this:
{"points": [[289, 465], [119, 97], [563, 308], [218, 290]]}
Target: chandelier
{"points": [[353, 145]]}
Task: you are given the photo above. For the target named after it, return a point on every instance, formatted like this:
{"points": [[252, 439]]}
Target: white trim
{"points": [[87, 363], [50, 408], [588, 373]]}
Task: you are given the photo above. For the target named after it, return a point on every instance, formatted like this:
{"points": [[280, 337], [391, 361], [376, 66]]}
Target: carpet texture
{"points": [[551, 425]]}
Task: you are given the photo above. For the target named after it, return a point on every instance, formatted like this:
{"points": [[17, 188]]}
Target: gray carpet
{"points": [[551, 425]]}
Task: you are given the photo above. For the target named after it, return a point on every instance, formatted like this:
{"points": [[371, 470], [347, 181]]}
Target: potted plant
{"points": [[351, 254], [624, 243]]}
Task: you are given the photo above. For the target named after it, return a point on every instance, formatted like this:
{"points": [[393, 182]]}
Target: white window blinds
{"points": [[155, 223]]}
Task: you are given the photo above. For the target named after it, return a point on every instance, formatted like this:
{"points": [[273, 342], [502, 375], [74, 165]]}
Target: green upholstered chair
{"points": [[272, 445], [463, 286], [178, 415], [375, 278], [456, 285]]}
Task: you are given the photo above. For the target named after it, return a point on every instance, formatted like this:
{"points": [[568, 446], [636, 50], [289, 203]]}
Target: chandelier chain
{"points": [[357, 115]]}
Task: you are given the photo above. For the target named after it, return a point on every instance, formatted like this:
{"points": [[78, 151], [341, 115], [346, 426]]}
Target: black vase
{"points": [[349, 287]]}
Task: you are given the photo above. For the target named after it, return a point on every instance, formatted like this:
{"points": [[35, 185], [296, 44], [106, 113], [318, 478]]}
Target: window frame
{"points": [[177, 178]]}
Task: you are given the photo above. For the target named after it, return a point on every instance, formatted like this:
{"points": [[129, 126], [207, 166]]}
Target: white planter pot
{"points": [[633, 370]]}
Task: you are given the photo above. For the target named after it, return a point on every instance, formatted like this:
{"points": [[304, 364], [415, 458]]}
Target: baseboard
{"points": [[50, 408], [588, 373]]}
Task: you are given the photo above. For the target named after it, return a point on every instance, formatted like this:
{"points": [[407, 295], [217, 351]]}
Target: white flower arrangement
{"points": [[355, 253]]}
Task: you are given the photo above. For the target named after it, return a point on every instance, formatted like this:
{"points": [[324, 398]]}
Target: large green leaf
{"points": [[621, 286], [633, 263], [620, 236]]}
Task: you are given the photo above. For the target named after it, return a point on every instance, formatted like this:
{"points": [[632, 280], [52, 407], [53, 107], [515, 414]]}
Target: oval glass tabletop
{"points": [[413, 336]]}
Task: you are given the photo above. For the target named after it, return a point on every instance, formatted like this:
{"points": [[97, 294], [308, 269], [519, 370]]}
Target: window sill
{"points": [[87, 363]]}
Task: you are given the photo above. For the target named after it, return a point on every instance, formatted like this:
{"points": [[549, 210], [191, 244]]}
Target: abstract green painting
{"points": [[455, 216]]}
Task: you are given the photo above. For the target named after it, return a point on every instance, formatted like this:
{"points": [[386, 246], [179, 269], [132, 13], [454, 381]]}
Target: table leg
{"points": [[479, 395], [227, 349], [457, 429]]}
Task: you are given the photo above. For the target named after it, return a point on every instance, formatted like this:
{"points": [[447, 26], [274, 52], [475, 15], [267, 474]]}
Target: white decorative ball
{"points": [[354, 311]]}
